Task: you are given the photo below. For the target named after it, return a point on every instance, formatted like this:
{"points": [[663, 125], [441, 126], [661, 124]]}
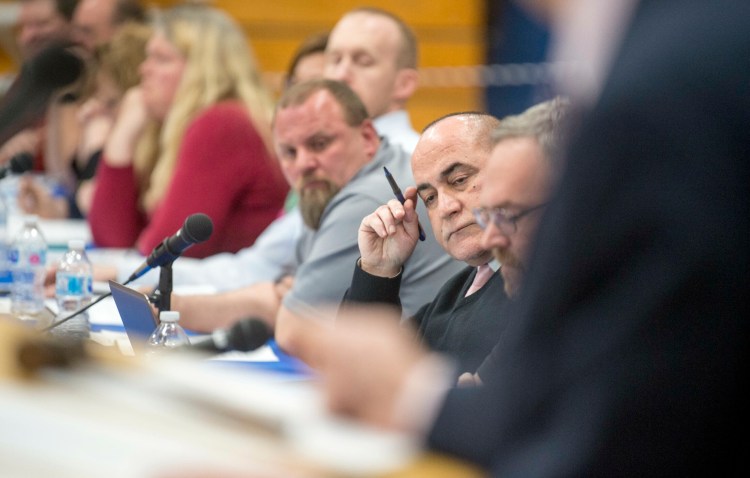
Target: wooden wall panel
{"points": [[450, 33], [7, 37]]}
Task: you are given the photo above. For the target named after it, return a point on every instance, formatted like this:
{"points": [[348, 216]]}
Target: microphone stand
{"points": [[161, 297]]}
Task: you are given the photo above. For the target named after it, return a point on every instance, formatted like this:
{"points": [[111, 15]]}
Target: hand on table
{"points": [[35, 197]]}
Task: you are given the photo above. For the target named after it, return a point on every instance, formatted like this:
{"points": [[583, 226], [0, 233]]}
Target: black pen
{"points": [[400, 197]]}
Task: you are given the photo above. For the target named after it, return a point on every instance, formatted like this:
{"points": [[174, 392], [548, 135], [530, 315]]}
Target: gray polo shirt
{"points": [[327, 256]]}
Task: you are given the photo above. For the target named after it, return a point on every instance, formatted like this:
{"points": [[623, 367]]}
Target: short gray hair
{"points": [[546, 123]]}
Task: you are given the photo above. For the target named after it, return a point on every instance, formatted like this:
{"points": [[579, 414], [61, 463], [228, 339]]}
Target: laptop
{"points": [[135, 311]]}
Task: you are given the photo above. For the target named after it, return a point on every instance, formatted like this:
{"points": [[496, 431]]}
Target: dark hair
{"points": [[310, 46], [354, 111], [128, 10], [66, 8]]}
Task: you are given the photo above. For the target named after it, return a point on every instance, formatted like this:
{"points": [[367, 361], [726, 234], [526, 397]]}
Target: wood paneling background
{"points": [[450, 34]]}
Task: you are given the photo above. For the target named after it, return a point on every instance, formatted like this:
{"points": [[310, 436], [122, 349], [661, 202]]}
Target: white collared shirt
{"points": [[396, 126]]}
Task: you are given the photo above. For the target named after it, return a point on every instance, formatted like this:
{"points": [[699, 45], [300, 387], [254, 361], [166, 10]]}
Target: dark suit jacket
{"points": [[628, 353]]}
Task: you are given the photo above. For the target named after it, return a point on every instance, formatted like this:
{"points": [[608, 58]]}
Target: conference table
{"points": [[106, 324], [100, 408]]}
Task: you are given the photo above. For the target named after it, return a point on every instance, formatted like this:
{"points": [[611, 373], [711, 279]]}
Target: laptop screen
{"points": [[135, 311]]}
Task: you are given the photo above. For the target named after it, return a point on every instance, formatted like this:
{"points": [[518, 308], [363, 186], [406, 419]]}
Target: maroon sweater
{"points": [[223, 170]]}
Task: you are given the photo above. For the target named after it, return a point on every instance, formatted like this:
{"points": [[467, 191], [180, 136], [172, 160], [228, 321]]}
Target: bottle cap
{"points": [[169, 316], [30, 219], [76, 244]]}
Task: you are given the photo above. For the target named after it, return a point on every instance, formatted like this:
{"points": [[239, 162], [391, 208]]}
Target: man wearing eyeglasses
{"points": [[521, 171], [465, 318]]}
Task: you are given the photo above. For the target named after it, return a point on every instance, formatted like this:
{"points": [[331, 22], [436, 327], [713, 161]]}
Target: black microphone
{"points": [[244, 336], [197, 228], [19, 163], [26, 101]]}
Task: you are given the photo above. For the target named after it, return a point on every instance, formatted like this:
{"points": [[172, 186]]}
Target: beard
{"points": [[512, 270], [313, 200]]}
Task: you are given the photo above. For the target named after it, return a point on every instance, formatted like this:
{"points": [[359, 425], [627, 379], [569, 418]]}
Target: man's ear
{"points": [[407, 81], [370, 136]]}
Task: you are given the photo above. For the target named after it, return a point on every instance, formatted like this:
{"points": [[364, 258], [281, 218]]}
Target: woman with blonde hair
{"points": [[192, 137]]}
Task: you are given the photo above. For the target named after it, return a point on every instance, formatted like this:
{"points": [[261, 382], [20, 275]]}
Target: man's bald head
{"points": [[448, 165]]}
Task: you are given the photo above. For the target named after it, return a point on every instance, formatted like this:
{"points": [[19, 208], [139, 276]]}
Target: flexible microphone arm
{"points": [[197, 228]]}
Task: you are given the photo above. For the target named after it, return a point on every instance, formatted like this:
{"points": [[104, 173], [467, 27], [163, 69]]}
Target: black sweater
{"points": [[465, 328]]}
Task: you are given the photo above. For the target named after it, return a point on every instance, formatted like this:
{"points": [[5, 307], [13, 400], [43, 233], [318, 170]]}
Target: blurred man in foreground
{"points": [[627, 350]]}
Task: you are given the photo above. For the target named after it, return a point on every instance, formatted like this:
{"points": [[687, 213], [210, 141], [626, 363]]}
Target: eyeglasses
{"points": [[501, 219]]}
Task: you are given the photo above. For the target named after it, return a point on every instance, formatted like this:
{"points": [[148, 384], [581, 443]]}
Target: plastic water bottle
{"points": [[169, 334], [28, 258], [6, 278], [73, 283]]}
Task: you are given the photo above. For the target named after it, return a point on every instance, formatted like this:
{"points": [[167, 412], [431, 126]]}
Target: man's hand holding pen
{"points": [[397, 192], [388, 236]]}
